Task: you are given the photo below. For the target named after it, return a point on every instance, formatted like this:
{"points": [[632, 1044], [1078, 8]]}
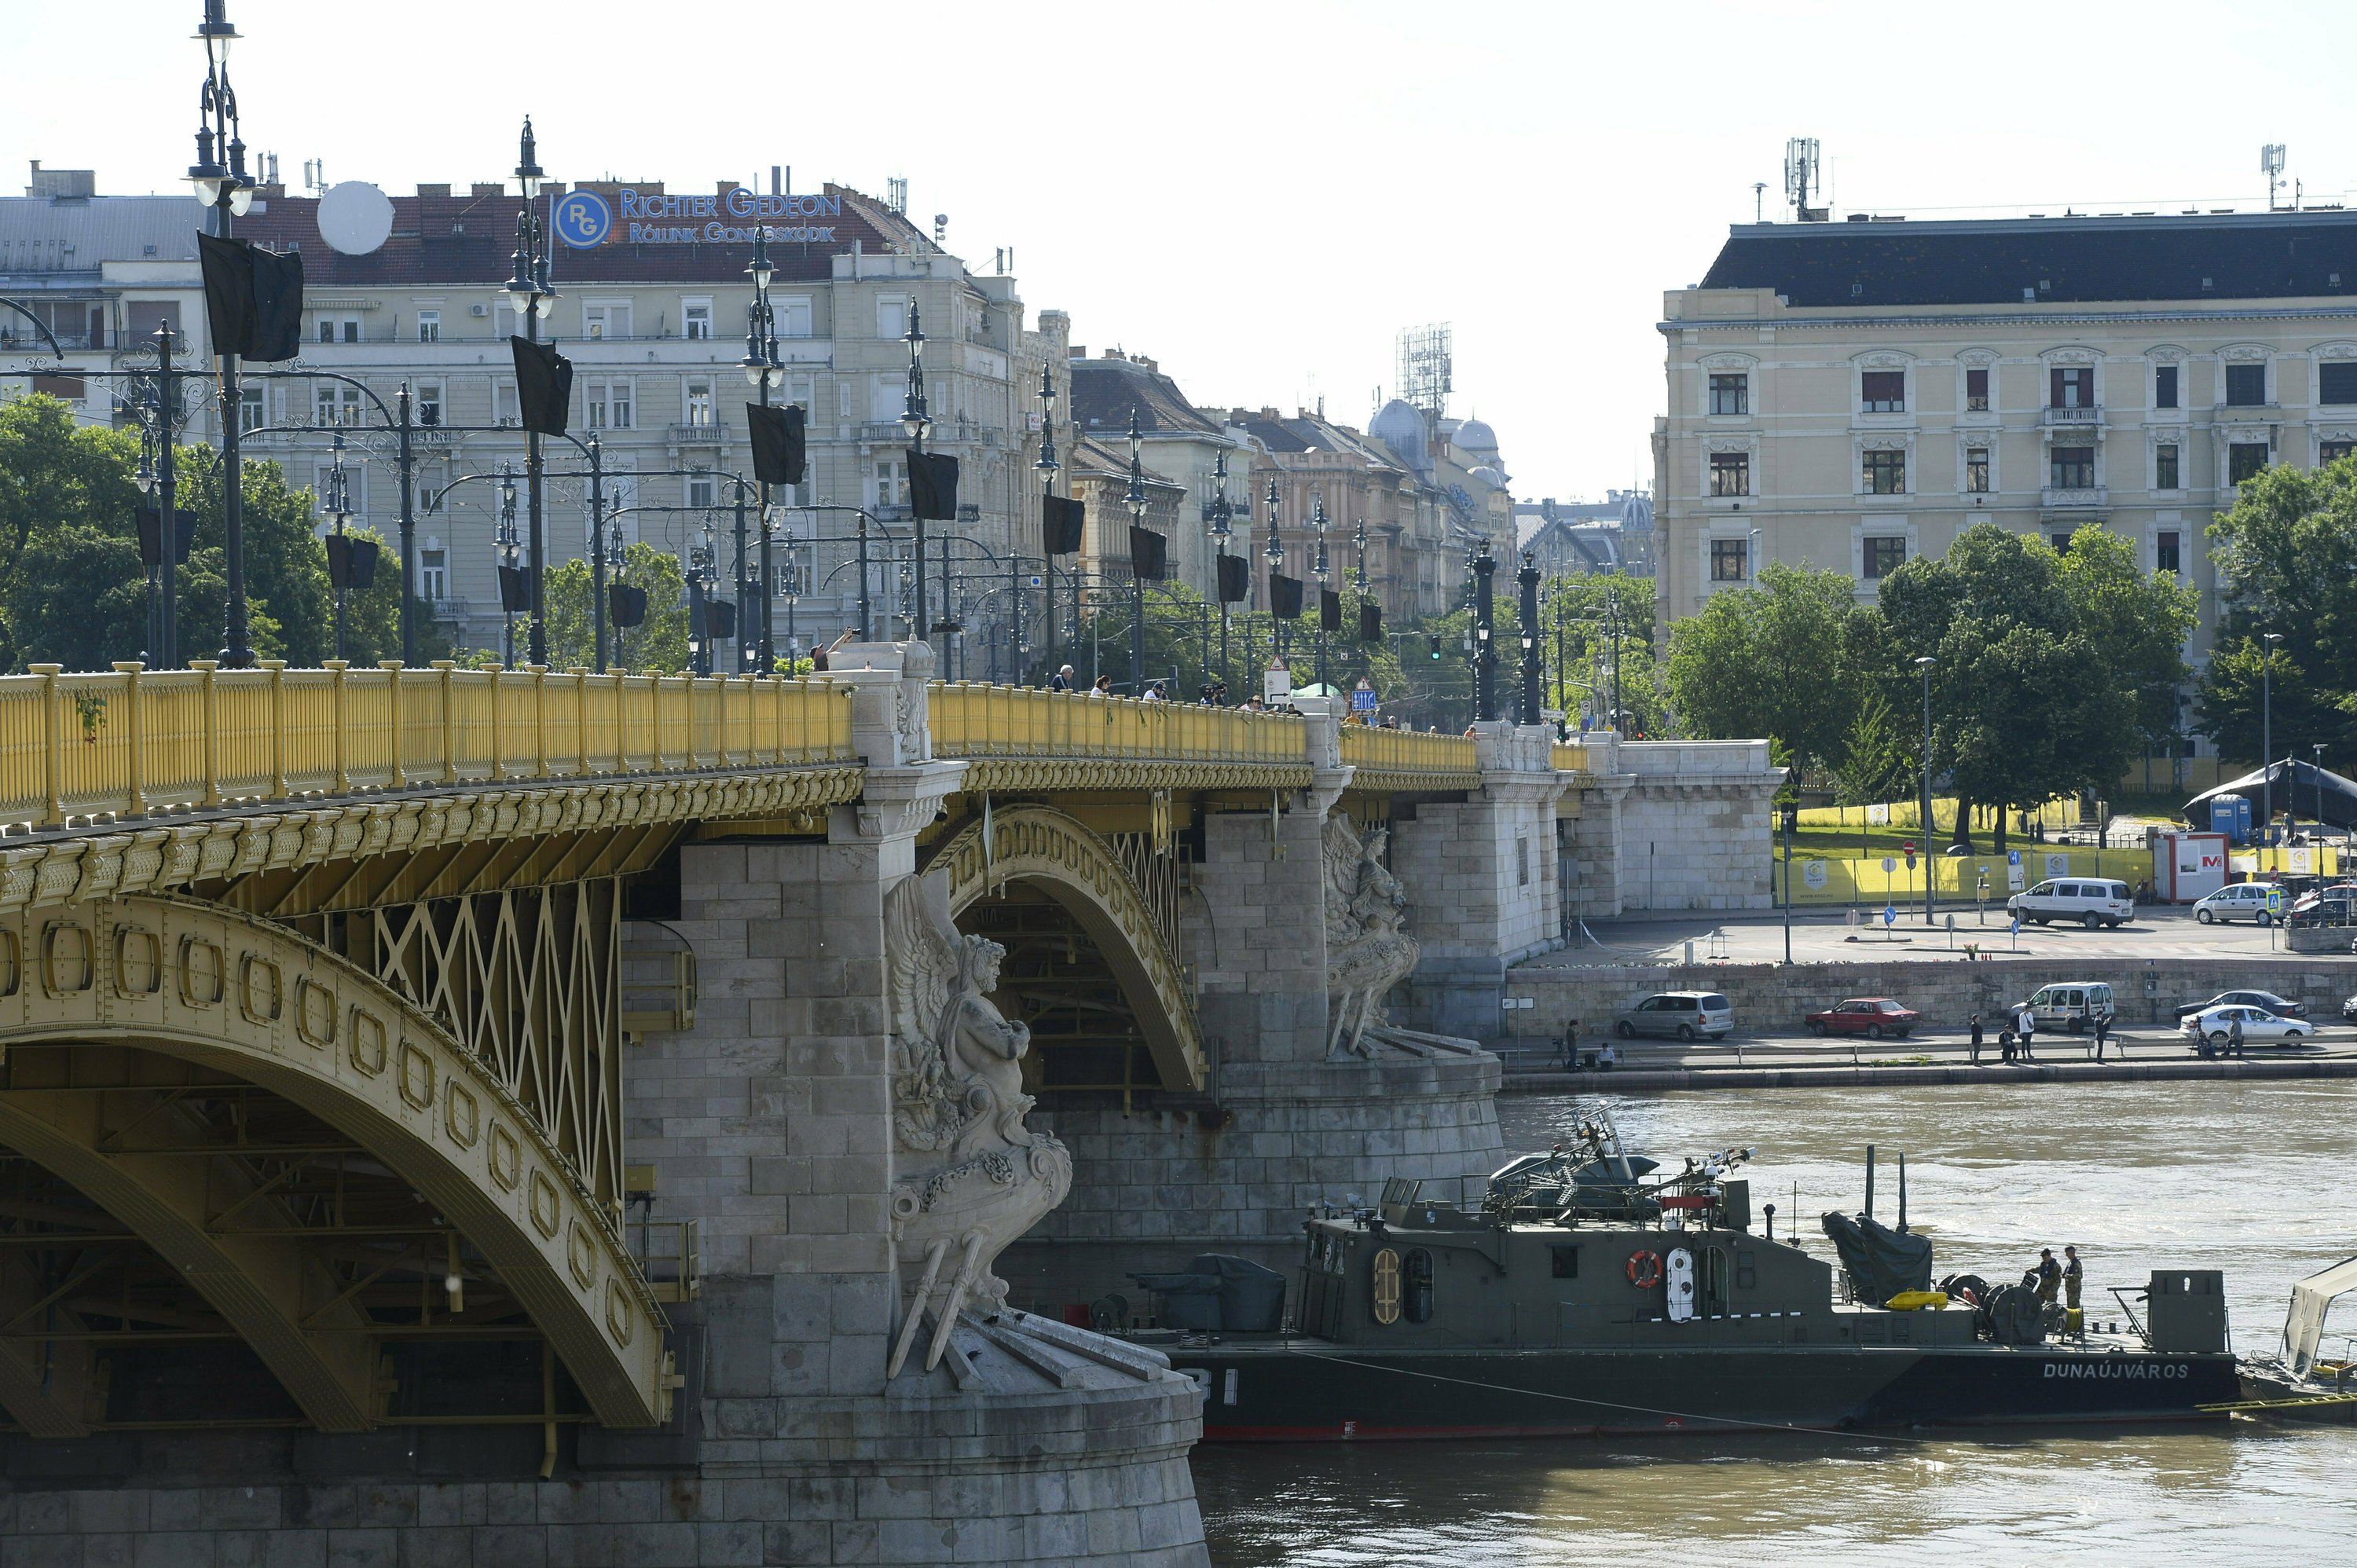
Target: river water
{"points": [[2243, 1177]]}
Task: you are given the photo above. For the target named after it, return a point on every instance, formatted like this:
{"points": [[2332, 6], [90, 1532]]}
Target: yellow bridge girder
{"points": [[240, 995]]}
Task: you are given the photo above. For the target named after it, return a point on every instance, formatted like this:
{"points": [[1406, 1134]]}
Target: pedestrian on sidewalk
{"points": [[2004, 1045], [2028, 1024], [2235, 1035], [1976, 1040], [2102, 1032]]}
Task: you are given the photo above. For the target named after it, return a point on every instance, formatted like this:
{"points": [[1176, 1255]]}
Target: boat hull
{"points": [[1307, 1391]]}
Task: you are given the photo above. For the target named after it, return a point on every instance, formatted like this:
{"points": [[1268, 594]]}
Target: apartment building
{"points": [[1851, 395]]}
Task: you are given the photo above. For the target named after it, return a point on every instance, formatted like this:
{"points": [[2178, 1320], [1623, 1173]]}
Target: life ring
{"points": [[1644, 1269]]}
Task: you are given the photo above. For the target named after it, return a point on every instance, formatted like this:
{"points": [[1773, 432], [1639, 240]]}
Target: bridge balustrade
{"points": [[134, 740], [1408, 751], [973, 719]]}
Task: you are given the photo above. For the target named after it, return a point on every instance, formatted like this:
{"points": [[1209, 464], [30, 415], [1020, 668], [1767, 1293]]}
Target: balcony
{"points": [[2251, 414], [2071, 417], [2076, 501], [708, 432]]}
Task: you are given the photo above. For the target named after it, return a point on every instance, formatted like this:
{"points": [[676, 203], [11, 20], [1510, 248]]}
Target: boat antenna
{"points": [[1902, 1192], [1870, 1181]]}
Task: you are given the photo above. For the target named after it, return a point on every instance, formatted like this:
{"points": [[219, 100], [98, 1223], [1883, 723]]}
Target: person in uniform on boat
{"points": [[2073, 1277], [2050, 1275]]}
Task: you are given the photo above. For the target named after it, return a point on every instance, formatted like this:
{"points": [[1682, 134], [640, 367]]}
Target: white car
{"points": [[2237, 901], [2260, 1027], [2086, 900]]}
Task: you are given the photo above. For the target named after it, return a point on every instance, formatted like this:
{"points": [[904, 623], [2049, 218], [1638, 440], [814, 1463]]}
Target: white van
{"points": [[2073, 1007], [2237, 901], [2085, 899]]}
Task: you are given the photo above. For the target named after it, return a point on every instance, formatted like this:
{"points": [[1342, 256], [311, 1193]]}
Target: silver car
{"points": [[1677, 1015], [2260, 1027]]}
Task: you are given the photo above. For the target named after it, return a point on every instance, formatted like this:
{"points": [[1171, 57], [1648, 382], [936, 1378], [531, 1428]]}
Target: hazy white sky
{"points": [[1261, 195]]}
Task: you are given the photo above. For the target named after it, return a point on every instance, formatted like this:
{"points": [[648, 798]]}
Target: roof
{"points": [[1109, 458], [40, 238], [1105, 391], [2252, 255], [460, 239]]}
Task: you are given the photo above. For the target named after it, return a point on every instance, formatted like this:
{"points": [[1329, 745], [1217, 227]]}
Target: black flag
{"points": [[1060, 519], [1329, 611], [1235, 579], [151, 530], [253, 298], [543, 386], [777, 442], [351, 562], [1371, 621], [1149, 553], [1284, 595], [515, 590], [719, 619], [626, 606], [932, 485]]}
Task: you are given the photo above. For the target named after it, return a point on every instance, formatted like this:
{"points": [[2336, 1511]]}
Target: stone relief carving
{"points": [[1367, 950], [970, 1176]]}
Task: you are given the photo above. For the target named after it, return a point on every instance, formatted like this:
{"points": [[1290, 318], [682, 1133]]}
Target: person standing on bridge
{"points": [[1061, 680]]}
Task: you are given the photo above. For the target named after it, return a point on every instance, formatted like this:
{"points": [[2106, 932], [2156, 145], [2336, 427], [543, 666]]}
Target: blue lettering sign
{"points": [[583, 219]]}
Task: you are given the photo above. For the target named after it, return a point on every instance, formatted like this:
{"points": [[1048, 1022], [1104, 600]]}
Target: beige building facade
{"points": [[1854, 395]]}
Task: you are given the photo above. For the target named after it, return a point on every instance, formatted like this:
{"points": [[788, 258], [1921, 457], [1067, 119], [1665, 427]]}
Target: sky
{"points": [[1260, 196]]}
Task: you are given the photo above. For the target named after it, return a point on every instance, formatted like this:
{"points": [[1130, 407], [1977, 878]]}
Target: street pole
{"points": [[1319, 569], [1485, 650], [167, 509], [222, 185], [1924, 664], [915, 421], [1534, 661], [597, 554], [533, 292], [2267, 738], [1136, 500], [408, 534], [1791, 814], [866, 620], [1278, 641]]}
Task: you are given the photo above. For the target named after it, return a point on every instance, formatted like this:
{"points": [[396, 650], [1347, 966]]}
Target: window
{"points": [[1884, 556], [1727, 558], [2165, 556], [335, 404], [697, 404], [793, 314], [1976, 390], [1732, 394], [695, 319], [2164, 386], [433, 574], [252, 406], [2073, 468], [607, 406], [1976, 470], [2245, 460], [700, 488], [429, 326], [892, 483], [1522, 861], [1885, 392], [505, 412], [2336, 381], [429, 404], [892, 317], [2072, 387], [1564, 1261], [2247, 386], [1731, 473], [2164, 468], [1886, 473], [2061, 542], [611, 319], [2334, 451]]}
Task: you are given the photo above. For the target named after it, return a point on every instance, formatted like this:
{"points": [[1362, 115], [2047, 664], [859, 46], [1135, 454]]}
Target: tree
{"points": [[659, 643], [70, 574], [1773, 661], [2141, 620], [2287, 561], [285, 562], [1876, 762]]}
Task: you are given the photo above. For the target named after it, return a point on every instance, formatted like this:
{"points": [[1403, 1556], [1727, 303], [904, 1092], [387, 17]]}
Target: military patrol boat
{"points": [[1594, 1292]]}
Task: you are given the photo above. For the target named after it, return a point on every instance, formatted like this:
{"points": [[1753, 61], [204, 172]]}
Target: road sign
{"points": [[2016, 925], [1362, 699], [2274, 900], [2013, 857], [1888, 866], [1890, 914], [1911, 860]]}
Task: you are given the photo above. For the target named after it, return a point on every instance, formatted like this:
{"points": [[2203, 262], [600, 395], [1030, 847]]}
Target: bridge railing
{"points": [[1569, 757], [976, 720], [134, 740], [1375, 750]]}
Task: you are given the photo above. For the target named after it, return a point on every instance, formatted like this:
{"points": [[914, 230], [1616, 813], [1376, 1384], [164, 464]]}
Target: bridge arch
{"points": [[211, 986], [1074, 866]]}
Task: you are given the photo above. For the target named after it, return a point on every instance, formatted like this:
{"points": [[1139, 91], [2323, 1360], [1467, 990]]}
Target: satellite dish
{"points": [[355, 217]]}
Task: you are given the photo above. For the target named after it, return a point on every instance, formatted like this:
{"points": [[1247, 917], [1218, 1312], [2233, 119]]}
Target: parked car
{"points": [[2349, 1009], [2071, 1007], [2338, 902], [1873, 1016], [2260, 1027], [2265, 1000], [2090, 902], [1680, 1014], [2236, 901]]}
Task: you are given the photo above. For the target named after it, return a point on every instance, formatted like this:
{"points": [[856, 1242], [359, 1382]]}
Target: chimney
{"points": [[1077, 351]]}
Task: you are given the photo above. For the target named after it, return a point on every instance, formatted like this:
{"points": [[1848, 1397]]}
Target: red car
{"points": [[1873, 1016]]}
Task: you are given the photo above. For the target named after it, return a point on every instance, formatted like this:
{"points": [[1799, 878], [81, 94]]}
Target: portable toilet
{"points": [[2230, 815]]}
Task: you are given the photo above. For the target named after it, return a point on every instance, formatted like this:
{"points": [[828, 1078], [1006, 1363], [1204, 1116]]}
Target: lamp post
{"points": [[699, 602], [1924, 664], [1485, 646], [508, 550], [338, 505], [916, 422], [1046, 467], [763, 370], [1223, 529], [1276, 554], [1792, 815], [2267, 737], [1317, 521], [1527, 612], [159, 411], [533, 292], [1134, 498], [2318, 747], [223, 186]]}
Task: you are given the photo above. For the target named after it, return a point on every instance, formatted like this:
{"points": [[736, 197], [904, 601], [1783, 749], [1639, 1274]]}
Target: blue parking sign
{"points": [[1890, 914], [2013, 857]]}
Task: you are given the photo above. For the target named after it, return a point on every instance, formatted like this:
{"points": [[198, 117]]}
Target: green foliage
{"points": [[2287, 562], [1876, 762], [660, 643], [1779, 660]]}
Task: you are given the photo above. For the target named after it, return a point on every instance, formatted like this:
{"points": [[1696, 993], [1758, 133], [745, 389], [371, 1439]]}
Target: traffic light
{"points": [[1435, 640]]}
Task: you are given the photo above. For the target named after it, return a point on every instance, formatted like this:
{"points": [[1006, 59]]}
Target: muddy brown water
{"points": [[2251, 1179]]}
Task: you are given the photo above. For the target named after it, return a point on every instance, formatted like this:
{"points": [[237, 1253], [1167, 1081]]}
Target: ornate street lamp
{"points": [[1276, 556], [1527, 612], [509, 549], [917, 423], [534, 294], [766, 372], [1317, 521], [1223, 529], [1134, 498], [227, 190], [1047, 466], [338, 506], [1485, 646]]}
